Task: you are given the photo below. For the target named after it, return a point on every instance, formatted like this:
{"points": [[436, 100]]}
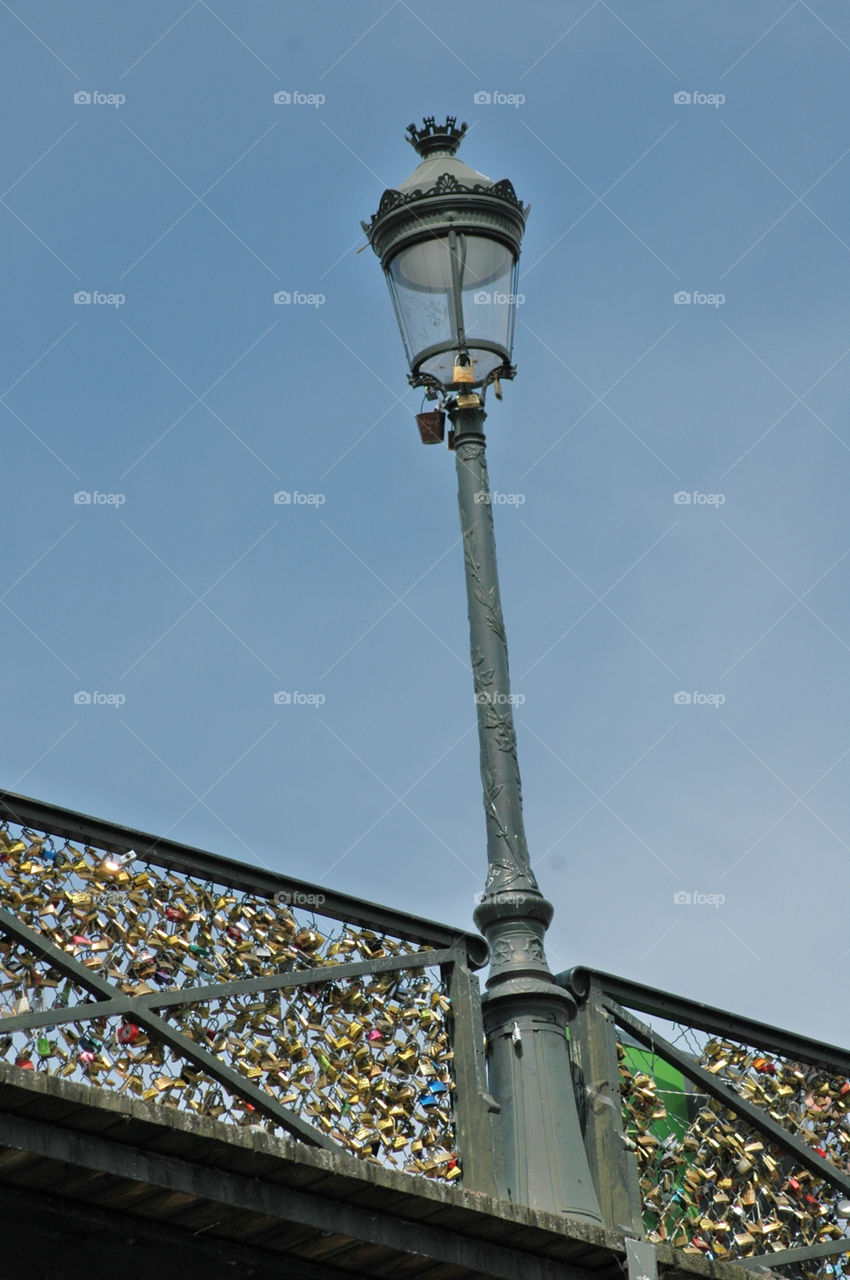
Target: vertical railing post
{"points": [[593, 1049], [479, 1136]]}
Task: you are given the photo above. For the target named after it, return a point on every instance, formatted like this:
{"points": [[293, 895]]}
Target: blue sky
{"points": [[186, 393]]}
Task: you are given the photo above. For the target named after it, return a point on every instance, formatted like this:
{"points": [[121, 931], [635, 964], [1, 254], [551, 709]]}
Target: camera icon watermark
{"points": [[682, 298], [684, 99], [83, 698], [295, 98], [295, 298], [684, 499], [696, 699], [287, 698], [88, 498], [483, 98], [283, 498], [84, 98], [698, 899]]}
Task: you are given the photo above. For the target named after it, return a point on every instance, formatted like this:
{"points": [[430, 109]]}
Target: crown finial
{"points": [[433, 137]]}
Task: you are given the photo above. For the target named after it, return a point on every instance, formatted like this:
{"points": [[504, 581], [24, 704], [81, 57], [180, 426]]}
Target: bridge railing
{"points": [[720, 1135], [150, 968]]}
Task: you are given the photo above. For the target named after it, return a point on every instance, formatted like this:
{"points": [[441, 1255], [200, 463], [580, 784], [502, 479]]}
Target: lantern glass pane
{"points": [[488, 310], [446, 303], [421, 284]]}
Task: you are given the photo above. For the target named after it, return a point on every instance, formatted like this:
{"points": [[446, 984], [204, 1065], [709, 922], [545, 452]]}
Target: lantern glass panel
{"points": [[452, 292]]}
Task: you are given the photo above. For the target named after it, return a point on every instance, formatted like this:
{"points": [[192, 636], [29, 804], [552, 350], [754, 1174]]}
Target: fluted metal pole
{"points": [[525, 1013]]}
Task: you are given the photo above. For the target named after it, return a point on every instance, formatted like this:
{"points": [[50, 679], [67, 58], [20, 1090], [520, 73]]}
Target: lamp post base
{"points": [[529, 1075]]}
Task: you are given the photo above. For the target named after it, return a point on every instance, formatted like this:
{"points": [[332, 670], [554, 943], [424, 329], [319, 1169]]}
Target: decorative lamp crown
{"points": [[433, 138]]}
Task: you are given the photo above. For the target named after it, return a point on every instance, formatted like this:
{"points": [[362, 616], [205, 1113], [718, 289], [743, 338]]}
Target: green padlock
{"points": [[44, 1046]]}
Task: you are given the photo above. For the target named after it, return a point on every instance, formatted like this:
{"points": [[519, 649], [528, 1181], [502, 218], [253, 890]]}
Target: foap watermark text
{"points": [[491, 699], [695, 497], [495, 98], [298, 898], [295, 98], [695, 99], [696, 298], [696, 699], [504, 898], [84, 698], [97, 298], [94, 498], [94, 98], [283, 498], [483, 297], [686, 898], [287, 698], [499, 499], [295, 298]]}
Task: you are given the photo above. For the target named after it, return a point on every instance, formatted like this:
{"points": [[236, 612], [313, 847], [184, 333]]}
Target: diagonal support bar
{"points": [[805, 1155], [164, 1031]]}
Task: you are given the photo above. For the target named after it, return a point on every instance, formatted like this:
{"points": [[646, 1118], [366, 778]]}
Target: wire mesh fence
{"points": [[245, 1007]]}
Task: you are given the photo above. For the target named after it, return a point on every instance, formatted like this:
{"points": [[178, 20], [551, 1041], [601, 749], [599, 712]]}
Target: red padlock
{"points": [[128, 1033], [171, 913]]}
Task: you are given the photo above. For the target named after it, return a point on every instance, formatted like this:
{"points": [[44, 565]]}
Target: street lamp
{"points": [[449, 241]]}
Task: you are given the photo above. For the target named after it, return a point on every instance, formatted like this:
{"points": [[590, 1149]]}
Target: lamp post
{"points": [[449, 241]]}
